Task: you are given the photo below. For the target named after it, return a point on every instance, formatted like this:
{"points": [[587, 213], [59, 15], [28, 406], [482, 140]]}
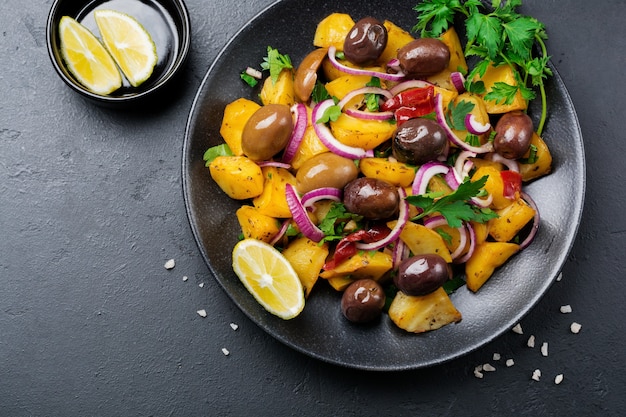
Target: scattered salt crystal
{"points": [[510, 362], [496, 356], [225, 352], [201, 313], [544, 349], [170, 264], [201, 285], [478, 371], [575, 327], [234, 326], [536, 374], [185, 278], [518, 329], [531, 341], [558, 379], [566, 309], [559, 277], [488, 368]]}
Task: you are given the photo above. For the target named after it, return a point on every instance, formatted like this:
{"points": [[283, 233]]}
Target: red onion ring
{"points": [[438, 221], [355, 71], [441, 118], [474, 126], [324, 193], [425, 173], [407, 85], [403, 218], [300, 216], [471, 234], [536, 220], [458, 81], [400, 253], [368, 115], [364, 90], [300, 122], [275, 164], [327, 138], [511, 164], [281, 232]]}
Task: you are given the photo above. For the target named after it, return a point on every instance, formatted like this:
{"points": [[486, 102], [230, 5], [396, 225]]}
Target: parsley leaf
{"points": [[455, 207], [458, 111], [275, 62], [319, 93], [371, 100], [332, 113], [335, 221], [215, 151], [250, 80]]}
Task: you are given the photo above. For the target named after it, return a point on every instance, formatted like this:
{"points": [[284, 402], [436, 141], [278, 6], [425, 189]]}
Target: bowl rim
{"points": [[54, 53]]}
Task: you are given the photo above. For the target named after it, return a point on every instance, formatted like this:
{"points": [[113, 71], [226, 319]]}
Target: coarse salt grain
{"points": [[536, 374], [201, 313], [566, 309], [496, 356], [225, 352], [575, 327], [478, 371], [170, 264], [531, 341], [559, 277], [234, 326], [488, 368], [510, 362], [544, 349], [185, 278], [517, 329], [558, 379], [201, 285]]}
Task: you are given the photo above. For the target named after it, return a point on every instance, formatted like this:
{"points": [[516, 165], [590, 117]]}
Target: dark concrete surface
{"points": [[91, 208]]}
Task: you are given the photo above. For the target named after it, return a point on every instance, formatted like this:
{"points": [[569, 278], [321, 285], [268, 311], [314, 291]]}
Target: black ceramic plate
{"points": [[321, 331]]}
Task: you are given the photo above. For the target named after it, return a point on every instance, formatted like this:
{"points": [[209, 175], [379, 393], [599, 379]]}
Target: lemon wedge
{"points": [[269, 277], [129, 43], [87, 59]]}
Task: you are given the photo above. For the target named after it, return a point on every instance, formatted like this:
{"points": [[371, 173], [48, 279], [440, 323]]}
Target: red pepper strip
{"points": [[347, 245], [415, 97], [512, 184], [405, 113]]}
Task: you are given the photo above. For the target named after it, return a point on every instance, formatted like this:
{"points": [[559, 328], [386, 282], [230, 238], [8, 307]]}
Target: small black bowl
{"points": [[168, 23]]}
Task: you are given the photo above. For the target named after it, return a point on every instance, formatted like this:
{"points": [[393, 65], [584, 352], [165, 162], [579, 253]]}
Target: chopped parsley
{"points": [[215, 151], [275, 62], [335, 221]]}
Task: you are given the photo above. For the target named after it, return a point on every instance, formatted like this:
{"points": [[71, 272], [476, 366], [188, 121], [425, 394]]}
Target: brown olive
{"points": [[363, 301], [365, 42], [306, 74], [423, 57], [514, 131], [422, 274], [418, 141], [371, 198], [267, 132], [325, 170]]}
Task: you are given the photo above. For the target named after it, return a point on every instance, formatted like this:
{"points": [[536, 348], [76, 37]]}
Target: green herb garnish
{"points": [[335, 221], [250, 80], [498, 37], [215, 151], [275, 62], [455, 207]]}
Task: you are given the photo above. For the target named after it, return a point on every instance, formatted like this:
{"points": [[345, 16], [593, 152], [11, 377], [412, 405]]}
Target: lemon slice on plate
{"points": [[87, 59], [129, 43], [269, 277]]}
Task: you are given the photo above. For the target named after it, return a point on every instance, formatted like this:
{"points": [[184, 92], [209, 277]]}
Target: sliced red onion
{"points": [[471, 235], [325, 193], [400, 253], [281, 232], [275, 164], [300, 216], [356, 71], [394, 64], [327, 138], [458, 81], [482, 202], [474, 126], [438, 221], [406, 85], [441, 118], [368, 115], [435, 221], [425, 173], [511, 164], [463, 165], [364, 90], [536, 220], [300, 122], [452, 179], [403, 218]]}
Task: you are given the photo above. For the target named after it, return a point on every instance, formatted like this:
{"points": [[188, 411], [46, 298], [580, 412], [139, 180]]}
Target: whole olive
{"points": [[267, 132], [418, 141], [306, 74], [422, 274], [363, 301], [365, 42], [325, 170], [371, 198], [514, 131], [423, 57]]}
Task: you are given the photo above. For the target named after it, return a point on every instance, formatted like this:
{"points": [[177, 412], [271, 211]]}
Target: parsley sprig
{"points": [[455, 207], [275, 62], [497, 36]]}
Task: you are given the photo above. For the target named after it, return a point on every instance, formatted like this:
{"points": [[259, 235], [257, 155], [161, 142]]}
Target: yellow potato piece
{"points": [[236, 114], [272, 200], [486, 258], [257, 225], [422, 240], [307, 258], [332, 30], [419, 314], [239, 177]]}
